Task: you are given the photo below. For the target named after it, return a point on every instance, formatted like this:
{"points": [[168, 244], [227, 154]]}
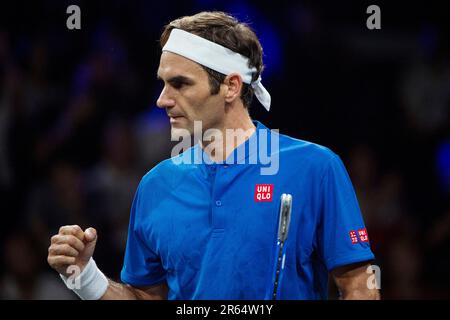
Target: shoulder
{"points": [[312, 160], [305, 150]]}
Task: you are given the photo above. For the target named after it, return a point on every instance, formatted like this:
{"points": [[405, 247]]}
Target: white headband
{"points": [[216, 57]]}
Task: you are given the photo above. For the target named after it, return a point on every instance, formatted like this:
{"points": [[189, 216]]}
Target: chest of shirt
{"points": [[232, 205]]}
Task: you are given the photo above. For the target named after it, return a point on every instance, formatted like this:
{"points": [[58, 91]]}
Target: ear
{"points": [[233, 86]]}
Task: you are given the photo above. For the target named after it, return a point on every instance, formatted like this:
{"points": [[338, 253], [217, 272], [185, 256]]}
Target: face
{"points": [[186, 95]]}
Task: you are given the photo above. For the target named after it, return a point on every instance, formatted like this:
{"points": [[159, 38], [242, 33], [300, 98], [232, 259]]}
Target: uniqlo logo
{"points": [[363, 236], [353, 236], [263, 192]]}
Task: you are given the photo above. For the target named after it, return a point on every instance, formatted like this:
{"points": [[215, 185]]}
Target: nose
{"points": [[165, 100]]}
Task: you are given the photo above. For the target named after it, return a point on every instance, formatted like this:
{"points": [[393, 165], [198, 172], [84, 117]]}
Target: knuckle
{"points": [[73, 242], [55, 249], [70, 240], [68, 249]]}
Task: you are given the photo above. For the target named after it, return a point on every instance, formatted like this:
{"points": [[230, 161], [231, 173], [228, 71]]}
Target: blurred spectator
{"points": [[425, 89], [443, 166], [152, 132], [111, 185], [58, 201], [391, 229], [25, 276], [404, 264], [438, 256]]}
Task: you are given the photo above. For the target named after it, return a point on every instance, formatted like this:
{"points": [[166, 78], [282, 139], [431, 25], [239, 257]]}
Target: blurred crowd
{"points": [[79, 128]]}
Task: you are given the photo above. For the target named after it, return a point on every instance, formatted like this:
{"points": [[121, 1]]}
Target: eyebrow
{"points": [[178, 78]]}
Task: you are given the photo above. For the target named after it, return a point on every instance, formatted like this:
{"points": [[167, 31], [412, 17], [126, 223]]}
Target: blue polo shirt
{"points": [[209, 229]]}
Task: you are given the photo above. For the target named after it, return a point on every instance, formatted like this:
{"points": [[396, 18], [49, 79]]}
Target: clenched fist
{"points": [[71, 246]]}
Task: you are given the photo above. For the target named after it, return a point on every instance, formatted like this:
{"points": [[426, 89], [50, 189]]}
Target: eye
{"points": [[177, 84]]}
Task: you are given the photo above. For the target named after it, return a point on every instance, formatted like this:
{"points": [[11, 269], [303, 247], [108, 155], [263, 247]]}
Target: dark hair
{"points": [[227, 31]]}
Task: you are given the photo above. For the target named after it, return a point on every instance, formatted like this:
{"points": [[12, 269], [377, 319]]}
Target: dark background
{"points": [[79, 125]]}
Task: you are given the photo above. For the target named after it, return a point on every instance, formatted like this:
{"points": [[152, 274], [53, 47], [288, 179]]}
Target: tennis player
{"points": [[204, 223]]}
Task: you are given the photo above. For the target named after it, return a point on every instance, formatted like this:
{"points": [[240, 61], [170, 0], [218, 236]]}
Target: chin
{"points": [[177, 133]]}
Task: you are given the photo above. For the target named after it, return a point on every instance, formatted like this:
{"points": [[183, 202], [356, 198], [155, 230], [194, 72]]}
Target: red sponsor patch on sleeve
{"points": [[353, 236], [363, 236]]}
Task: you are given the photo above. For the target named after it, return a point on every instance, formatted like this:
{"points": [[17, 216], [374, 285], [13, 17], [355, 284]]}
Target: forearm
{"points": [[92, 284], [352, 282], [121, 291], [360, 294]]}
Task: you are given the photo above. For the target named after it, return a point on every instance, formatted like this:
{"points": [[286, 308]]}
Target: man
{"points": [[204, 223]]}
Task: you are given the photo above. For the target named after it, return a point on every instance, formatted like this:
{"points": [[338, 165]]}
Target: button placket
{"points": [[217, 209]]}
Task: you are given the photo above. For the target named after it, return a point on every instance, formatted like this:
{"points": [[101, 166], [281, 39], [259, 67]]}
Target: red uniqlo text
{"points": [[363, 237], [263, 192]]}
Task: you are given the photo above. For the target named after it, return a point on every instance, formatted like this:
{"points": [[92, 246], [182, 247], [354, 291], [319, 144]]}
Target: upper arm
{"points": [[341, 234], [352, 282], [142, 264]]}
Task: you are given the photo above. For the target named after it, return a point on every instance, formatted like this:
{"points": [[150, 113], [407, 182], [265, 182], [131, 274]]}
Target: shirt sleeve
{"points": [[342, 237], [142, 266]]}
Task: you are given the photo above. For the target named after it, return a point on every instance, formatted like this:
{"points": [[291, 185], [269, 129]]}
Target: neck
{"points": [[235, 129]]}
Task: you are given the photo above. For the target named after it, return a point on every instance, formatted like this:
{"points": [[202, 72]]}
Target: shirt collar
{"points": [[239, 155]]}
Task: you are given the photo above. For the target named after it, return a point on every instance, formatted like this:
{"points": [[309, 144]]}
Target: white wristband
{"points": [[91, 284]]}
